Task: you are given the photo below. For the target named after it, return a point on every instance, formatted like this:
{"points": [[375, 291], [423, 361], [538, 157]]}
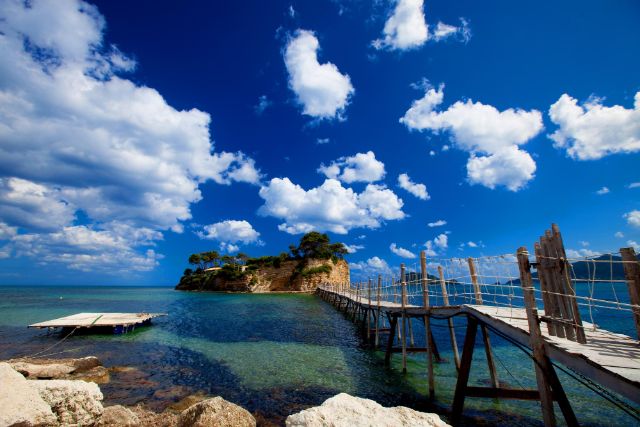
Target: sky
{"points": [[133, 134]]}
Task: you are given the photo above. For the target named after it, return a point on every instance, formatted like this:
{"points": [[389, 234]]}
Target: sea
{"points": [[273, 354]]}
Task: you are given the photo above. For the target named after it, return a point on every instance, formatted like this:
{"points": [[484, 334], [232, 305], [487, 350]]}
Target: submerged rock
{"points": [[20, 404], [73, 402], [216, 412], [85, 368], [344, 410]]}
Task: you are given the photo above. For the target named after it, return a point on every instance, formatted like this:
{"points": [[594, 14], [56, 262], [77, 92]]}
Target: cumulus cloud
{"points": [[633, 218], [633, 244], [362, 167], [582, 253], [321, 89], [329, 207], [406, 28], [492, 137], [438, 244], [619, 234], [372, 266], [443, 31], [592, 131], [401, 252], [229, 233], [602, 191], [322, 141], [418, 190], [78, 137], [438, 223], [352, 249]]}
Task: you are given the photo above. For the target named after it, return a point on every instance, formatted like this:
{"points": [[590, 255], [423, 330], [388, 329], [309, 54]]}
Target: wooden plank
{"points": [[97, 320], [535, 340], [632, 274]]}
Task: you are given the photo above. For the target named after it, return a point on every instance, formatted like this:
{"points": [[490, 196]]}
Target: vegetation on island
{"points": [[209, 265]]}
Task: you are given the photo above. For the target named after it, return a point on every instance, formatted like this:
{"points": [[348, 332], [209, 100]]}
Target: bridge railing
{"points": [[602, 289]]}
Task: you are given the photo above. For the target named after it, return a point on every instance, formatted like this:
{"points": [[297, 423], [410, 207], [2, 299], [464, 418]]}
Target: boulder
{"points": [[85, 368], [118, 415], [73, 402], [20, 403], [344, 410], [216, 412]]}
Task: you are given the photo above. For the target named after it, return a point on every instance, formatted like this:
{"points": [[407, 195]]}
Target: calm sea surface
{"points": [[272, 354]]}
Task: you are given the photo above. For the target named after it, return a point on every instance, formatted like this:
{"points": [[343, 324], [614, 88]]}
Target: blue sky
{"points": [[135, 133]]}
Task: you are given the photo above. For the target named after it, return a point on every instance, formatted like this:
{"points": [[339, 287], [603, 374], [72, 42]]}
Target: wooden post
{"points": [[403, 285], [465, 369], [474, 280], [548, 300], [393, 322], [535, 338], [485, 334], [377, 341], [551, 263], [427, 322], [571, 293], [395, 299], [632, 274], [452, 332], [369, 311]]}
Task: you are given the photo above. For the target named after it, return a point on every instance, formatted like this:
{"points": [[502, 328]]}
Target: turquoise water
{"points": [[272, 354]]}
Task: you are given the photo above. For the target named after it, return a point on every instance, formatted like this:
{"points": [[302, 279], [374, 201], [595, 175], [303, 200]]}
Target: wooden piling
{"points": [[377, 341], [452, 332], [427, 322], [369, 311], [485, 334], [403, 285], [632, 274]]}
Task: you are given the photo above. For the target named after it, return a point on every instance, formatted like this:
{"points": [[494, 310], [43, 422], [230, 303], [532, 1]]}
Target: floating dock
{"points": [[120, 323]]}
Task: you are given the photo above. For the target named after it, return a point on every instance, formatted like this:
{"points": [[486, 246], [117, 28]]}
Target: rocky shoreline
{"points": [[65, 392]]}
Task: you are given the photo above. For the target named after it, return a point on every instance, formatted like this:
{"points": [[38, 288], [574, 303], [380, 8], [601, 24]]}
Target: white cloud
{"points": [[438, 223], [619, 235], [7, 232], [418, 190], [633, 244], [491, 136], [401, 252], [634, 185], [372, 266], [603, 190], [76, 136], [582, 253], [321, 141], [230, 231], [263, 104], [472, 244], [432, 153], [633, 218], [362, 167], [406, 28], [592, 131], [321, 89], [584, 243], [444, 31], [352, 249], [439, 243], [292, 11], [109, 251], [329, 207]]}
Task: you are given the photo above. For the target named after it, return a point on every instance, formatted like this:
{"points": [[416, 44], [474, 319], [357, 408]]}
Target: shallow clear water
{"points": [[272, 354]]}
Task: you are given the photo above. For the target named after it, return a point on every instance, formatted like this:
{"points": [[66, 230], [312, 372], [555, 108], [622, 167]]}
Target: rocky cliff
{"points": [[290, 275]]}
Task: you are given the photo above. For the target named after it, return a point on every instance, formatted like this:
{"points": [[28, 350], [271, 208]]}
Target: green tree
{"points": [[318, 245], [210, 258], [196, 260]]}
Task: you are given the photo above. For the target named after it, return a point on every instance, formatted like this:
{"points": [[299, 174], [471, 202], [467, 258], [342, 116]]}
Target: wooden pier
{"points": [[119, 322], [609, 359]]}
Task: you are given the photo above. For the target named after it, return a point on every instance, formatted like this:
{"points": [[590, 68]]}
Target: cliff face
{"points": [[289, 276]]}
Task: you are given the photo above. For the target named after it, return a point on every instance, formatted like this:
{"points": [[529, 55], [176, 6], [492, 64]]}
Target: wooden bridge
{"points": [[609, 360]]}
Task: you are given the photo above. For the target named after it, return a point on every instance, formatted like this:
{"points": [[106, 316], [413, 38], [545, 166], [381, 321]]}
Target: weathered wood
{"points": [[565, 272], [393, 321], [632, 274], [535, 338], [378, 297], [403, 295], [427, 323], [369, 311], [97, 320], [465, 369], [551, 265], [474, 281], [452, 332], [548, 301]]}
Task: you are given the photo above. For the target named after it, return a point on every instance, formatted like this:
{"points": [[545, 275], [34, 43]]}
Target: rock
{"points": [[118, 415], [73, 402], [344, 410], [187, 402], [216, 412], [20, 404], [85, 368]]}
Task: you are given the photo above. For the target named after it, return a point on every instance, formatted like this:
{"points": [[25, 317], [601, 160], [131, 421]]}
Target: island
{"points": [[315, 260]]}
